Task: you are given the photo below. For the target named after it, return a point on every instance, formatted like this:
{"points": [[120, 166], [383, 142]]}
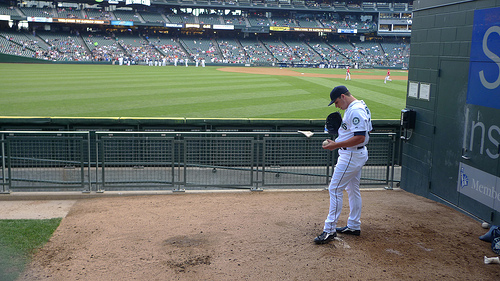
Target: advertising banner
{"points": [[122, 22], [484, 69], [38, 19], [223, 27], [479, 185], [353, 31], [81, 21]]}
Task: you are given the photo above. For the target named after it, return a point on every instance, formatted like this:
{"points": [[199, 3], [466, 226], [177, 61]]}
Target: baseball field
{"points": [[226, 236], [191, 92]]}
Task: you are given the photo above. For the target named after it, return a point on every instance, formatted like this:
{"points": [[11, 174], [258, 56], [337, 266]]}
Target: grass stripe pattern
{"points": [[73, 90]]}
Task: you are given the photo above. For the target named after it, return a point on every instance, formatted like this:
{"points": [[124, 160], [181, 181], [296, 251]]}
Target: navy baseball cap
{"points": [[336, 92]]}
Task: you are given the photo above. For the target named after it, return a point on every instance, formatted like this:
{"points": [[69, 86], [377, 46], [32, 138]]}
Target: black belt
{"points": [[359, 147]]}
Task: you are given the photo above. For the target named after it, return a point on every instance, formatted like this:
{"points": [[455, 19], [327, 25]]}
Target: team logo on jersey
{"points": [[344, 126], [355, 120]]}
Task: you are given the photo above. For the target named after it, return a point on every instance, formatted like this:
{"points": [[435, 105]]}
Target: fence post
{"points": [[181, 155], [393, 159], [258, 163], [87, 185], [4, 181]]}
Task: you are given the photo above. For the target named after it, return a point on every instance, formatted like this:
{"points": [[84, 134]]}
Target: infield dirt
{"points": [[289, 72]]}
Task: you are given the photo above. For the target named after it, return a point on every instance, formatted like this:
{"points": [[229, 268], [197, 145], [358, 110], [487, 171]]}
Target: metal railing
{"points": [[119, 161]]}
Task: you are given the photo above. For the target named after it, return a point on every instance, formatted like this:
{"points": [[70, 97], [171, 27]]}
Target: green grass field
{"points": [[63, 90], [19, 239]]}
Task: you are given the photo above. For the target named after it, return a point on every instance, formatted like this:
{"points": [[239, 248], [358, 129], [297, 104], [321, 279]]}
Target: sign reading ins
{"points": [[484, 70]]}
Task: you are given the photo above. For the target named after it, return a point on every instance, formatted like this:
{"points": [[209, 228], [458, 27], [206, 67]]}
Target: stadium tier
{"points": [[262, 32]]}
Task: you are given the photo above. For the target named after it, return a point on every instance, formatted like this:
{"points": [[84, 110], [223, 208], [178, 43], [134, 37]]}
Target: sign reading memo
{"points": [[484, 70]]}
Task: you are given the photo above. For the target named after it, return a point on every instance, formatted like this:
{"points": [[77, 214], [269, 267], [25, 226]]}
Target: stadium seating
{"points": [[98, 14], [209, 19], [13, 48], [234, 20], [308, 22], [303, 53], [25, 39], [102, 47], [169, 47], [329, 54], [125, 15], [38, 12], [8, 10], [283, 21], [152, 17], [220, 46], [280, 51], [256, 52], [69, 13], [258, 21], [69, 47], [182, 18], [397, 54], [201, 48], [370, 54], [137, 48], [232, 51]]}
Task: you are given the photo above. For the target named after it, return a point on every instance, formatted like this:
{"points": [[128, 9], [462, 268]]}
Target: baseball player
{"points": [[388, 77], [348, 74], [353, 135]]}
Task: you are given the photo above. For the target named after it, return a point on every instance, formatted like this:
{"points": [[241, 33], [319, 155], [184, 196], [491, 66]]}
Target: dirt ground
{"points": [[34, 209], [261, 236], [355, 74]]}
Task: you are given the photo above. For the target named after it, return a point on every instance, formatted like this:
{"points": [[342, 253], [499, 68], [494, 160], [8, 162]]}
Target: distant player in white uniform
{"points": [[348, 74], [388, 77], [353, 135]]}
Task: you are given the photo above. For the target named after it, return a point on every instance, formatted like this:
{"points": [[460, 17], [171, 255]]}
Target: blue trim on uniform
{"points": [[362, 133]]}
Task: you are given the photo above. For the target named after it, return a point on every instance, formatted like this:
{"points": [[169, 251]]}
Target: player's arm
{"points": [[358, 138]]}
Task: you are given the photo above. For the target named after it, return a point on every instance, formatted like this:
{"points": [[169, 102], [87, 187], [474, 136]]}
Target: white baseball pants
{"points": [[346, 176]]}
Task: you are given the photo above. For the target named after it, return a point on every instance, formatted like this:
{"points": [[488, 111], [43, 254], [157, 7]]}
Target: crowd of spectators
{"points": [[142, 53], [107, 48], [171, 50], [256, 53], [304, 54], [68, 48], [281, 52], [103, 48], [8, 46], [201, 48], [328, 54], [232, 53]]}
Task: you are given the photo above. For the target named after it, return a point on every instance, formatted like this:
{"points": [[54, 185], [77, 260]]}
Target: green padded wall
{"points": [[452, 154]]}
